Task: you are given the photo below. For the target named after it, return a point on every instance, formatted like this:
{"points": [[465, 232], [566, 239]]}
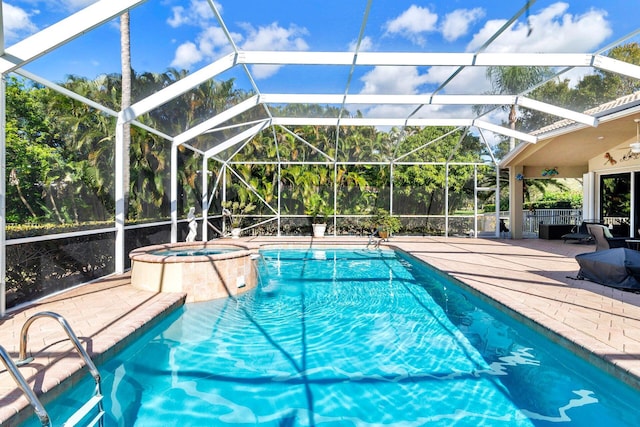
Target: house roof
{"points": [[572, 145]]}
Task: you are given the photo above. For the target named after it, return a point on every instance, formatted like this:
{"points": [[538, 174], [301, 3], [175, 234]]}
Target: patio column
{"points": [[119, 250], [205, 198], [174, 192], [515, 201]]}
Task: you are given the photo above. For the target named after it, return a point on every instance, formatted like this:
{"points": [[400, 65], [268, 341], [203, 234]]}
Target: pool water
{"points": [[351, 338], [191, 252]]}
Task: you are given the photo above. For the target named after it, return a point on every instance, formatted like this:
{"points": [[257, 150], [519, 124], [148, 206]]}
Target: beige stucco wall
{"points": [[620, 158]]}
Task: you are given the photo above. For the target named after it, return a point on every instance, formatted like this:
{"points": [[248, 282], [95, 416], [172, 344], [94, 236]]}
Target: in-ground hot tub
{"points": [[203, 270]]}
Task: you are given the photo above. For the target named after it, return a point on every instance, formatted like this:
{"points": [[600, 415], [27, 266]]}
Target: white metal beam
{"points": [[120, 208], [373, 99], [204, 198], [179, 87], [616, 66], [86, 101], [430, 100], [557, 111], [378, 121], [506, 59], [216, 120], [505, 131], [242, 136], [1, 52], [174, 193], [416, 58], [63, 31], [280, 57]]}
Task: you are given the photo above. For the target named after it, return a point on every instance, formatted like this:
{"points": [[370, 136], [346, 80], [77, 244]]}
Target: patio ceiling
{"points": [[570, 145]]}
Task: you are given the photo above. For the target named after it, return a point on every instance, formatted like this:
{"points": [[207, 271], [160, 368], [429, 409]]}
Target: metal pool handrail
{"points": [[12, 368], [96, 400]]}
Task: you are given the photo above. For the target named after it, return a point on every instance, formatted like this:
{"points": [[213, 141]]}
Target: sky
{"points": [[185, 34]]}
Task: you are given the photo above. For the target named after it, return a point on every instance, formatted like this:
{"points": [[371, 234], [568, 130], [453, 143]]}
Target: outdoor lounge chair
{"points": [[604, 239], [579, 233]]}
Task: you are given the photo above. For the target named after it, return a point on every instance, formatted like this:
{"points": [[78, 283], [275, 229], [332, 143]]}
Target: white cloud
{"points": [[393, 80], [210, 45], [17, 22], [456, 24], [179, 18], [387, 111], [412, 23], [186, 55], [273, 37], [366, 44], [198, 13], [212, 42], [553, 30]]}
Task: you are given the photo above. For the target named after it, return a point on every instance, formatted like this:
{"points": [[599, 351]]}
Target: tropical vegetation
{"points": [[60, 151]]}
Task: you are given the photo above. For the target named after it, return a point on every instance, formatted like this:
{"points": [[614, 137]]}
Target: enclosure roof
{"points": [[377, 64]]}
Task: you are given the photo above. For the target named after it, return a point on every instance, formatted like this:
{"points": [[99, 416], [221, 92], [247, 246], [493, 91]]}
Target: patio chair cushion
{"points": [[600, 233]]}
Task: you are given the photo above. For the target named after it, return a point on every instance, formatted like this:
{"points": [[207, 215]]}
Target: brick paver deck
{"points": [[532, 277]]}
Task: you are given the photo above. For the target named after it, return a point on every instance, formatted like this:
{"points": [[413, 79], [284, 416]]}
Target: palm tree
{"points": [[513, 81], [125, 59]]}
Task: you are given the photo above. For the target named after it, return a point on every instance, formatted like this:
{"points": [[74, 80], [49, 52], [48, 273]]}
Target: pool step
{"points": [[81, 413]]}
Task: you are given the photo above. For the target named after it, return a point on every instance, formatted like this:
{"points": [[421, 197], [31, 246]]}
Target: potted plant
{"points": [[319, 210], [236, 211], [385, 223]]}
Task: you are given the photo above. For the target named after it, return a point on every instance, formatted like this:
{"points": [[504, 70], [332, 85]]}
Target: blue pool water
{"points": [[192, 252], [351, 338]]}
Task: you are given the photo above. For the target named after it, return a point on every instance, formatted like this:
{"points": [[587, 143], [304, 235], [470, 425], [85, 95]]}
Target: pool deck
{"points": [[533, 277]]}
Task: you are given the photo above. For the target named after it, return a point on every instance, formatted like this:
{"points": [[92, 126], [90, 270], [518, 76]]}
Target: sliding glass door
{"points": [[615, 202]]}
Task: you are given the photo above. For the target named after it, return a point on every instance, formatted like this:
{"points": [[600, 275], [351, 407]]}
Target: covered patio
{"points": [[589, 154]]}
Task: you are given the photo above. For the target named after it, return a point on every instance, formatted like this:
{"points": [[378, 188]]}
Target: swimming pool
{"points": [[351, 338]]}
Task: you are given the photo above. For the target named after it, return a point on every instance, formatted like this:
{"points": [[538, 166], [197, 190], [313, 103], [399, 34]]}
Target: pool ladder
{"points": [[12, 367]]}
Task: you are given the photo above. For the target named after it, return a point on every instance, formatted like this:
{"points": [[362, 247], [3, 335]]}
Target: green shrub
{"points": [[16, 231]]}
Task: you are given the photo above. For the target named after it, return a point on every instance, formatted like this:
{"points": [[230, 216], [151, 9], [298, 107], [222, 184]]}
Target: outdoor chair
{"points": [[579, 233], [604, 239]]}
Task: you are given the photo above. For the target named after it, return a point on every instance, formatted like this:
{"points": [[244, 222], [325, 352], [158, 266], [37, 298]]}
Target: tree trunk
{"points": [[54, 205], [125, 59], [512, 124], [13, 180]]}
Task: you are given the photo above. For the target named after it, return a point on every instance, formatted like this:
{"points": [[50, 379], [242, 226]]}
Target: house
{"points": [[605, 157]]}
